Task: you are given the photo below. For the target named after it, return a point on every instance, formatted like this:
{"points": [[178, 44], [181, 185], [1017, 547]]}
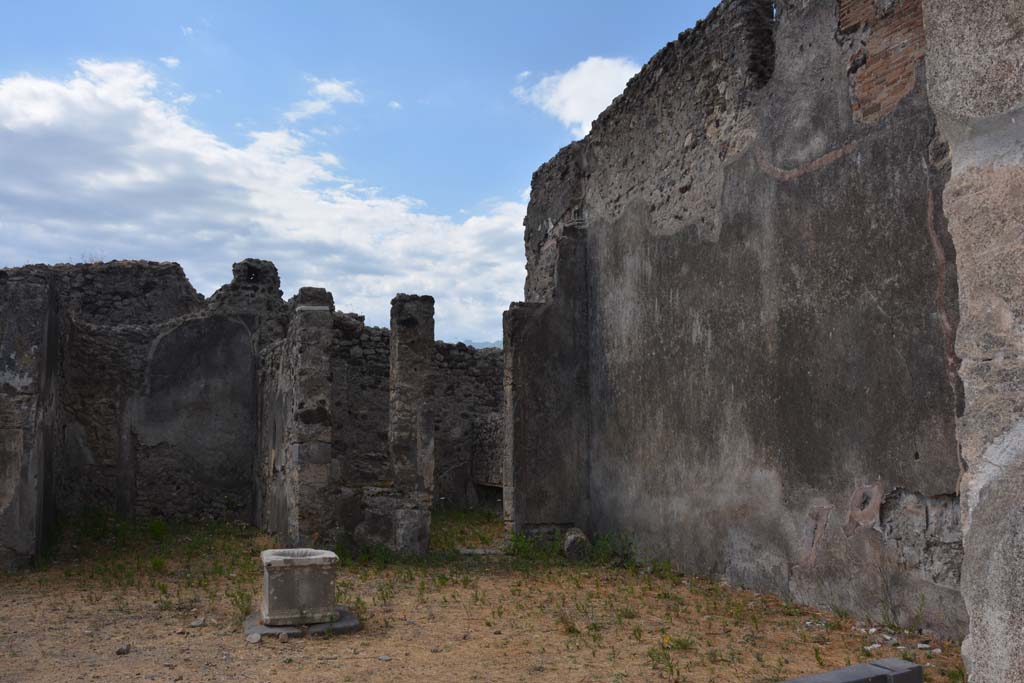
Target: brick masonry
{"points": [[889, 41]]}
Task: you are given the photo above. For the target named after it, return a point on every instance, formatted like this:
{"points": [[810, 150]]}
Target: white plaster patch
{"points": [[1003, 452], [17, 380]]}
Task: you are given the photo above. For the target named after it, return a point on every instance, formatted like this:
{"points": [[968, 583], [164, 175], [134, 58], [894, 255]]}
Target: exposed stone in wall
{"points": [[254, 296], [467, 401], [103, 367], [975, 67], [361, 363], [768, 312], [926, 534], [887, 42], [124, 292]]}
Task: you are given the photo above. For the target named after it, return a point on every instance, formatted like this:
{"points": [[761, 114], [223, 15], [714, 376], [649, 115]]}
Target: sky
{"points": [[370, 148]]}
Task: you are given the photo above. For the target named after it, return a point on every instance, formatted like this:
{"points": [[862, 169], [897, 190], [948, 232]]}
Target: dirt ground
{"points": [[174, 597]]}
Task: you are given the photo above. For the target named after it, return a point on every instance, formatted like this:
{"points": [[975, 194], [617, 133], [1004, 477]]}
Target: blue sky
{"points": [[365, 147]]}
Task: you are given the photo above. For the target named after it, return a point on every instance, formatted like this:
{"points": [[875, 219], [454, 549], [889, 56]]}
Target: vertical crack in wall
{"points": [[946, 287]]}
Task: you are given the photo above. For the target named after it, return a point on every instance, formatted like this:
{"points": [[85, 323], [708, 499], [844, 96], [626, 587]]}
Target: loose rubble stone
{"points": [[575, 545]]}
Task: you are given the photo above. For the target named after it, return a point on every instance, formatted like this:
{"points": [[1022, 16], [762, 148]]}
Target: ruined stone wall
{"points": [[975, 62], [124, 390], [349, 430], [467, 400], [345, 439], [159, 390], [769, 298], [149, 404]]}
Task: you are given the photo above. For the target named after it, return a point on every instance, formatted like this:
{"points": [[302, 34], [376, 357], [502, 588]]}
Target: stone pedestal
{"points": [[298, 586]]}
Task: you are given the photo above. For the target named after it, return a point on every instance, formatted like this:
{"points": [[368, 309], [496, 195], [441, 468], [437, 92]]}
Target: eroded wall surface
{"points": [[771, 310], [976, 86], [27, 421]]}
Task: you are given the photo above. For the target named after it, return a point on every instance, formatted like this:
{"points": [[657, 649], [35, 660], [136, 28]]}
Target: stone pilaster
{"points": [[411, 421]]}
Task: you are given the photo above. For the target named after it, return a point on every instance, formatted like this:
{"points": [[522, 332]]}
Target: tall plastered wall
{"points": [[976, 87], [769, 312]]}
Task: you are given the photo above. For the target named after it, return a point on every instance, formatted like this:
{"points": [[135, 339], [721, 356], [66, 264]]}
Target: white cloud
{"points": [[577, 96], [323, 96], [186, 31], [170, 62], [395, 104], [100, 164], [186, 99]]}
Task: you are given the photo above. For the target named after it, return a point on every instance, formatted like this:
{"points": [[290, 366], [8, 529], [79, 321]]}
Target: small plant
{"points": [[157, 529], [385, 593], [818, 658], [775, 674], [661, 660], [241, 600], [956, 675], [567, 624], [676, 643], [626, 613], [662, 569], [638, 633], [611, 549], [360, 608], [536, 549], [791, 609], [917, 621]]}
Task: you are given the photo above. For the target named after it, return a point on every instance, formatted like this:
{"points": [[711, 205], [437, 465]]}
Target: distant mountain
{"points": [[482, 344]]}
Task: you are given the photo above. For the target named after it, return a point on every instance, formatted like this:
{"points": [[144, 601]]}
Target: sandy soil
{"points": [[446, 619]]}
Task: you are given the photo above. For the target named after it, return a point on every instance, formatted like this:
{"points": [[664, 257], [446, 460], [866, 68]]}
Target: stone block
{"points": [[575, 545], [344, 622], [879, 671], [298, 586]]}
